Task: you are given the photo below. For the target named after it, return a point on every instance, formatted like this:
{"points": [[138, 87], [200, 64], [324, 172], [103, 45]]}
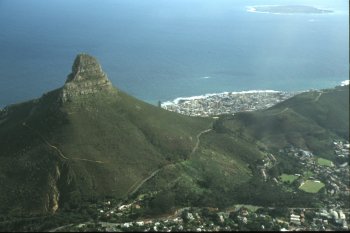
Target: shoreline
{"points": [[219, 94], [176, 100], [214, 104], [226, 102]]}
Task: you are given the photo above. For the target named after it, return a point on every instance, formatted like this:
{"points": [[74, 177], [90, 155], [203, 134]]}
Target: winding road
{"points": [[141, 183], [144, 181], [198, 140], [46, 142]]}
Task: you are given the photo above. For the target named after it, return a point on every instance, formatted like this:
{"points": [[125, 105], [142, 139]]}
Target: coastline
{"points": [[219, 94], [214, 104], [226, 102], [225, 93]]}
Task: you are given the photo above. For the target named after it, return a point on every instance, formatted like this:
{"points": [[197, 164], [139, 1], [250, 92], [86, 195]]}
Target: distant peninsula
{"points": [[288, 9]]}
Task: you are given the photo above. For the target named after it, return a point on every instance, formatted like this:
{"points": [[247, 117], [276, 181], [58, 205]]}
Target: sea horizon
{"points": [[162, 50]]}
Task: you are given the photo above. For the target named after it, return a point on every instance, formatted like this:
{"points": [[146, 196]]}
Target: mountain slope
{"points": [[88, 140], [85, 140], [310, 120]]}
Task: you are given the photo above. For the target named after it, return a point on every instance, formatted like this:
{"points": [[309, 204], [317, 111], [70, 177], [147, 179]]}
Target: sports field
{"points": [[311, 186]]}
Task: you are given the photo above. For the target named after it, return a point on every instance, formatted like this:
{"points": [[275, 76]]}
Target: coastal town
{"points": [[226, 102]]}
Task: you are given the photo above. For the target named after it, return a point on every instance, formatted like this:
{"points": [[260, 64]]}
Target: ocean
{"points": [[159, 50]]}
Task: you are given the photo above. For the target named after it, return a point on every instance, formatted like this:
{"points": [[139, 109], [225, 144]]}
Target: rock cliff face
{"points": [[86, 78]]}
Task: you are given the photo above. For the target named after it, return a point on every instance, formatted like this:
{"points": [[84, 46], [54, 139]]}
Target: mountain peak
{"points": [[85, 67], [87, 77]]}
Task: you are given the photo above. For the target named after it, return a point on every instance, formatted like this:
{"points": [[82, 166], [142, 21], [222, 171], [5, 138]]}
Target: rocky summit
{"points": [[87, 77]]}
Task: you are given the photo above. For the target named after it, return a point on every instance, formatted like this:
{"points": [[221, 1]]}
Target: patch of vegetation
{"points": [[324, 162], [310, 121], [288, 178], [260, 193], [307, 174], [102, 145], [311, 186]]}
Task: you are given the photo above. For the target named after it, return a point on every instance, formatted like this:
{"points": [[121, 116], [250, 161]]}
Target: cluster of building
{"points": [[232, 219], [335, 177], [341, 149], [336, 180], [319, 219], [326, 217], [226, 103]]}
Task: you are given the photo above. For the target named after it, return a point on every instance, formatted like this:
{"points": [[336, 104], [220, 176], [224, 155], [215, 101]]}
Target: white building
{"points": [[295, 219]]}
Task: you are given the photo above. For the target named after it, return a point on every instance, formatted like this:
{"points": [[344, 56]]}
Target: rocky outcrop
{"points": [[86, 78]]}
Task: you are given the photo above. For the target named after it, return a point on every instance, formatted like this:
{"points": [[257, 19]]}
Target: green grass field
{"points": [[307, 174], [324, 162], [311, 186], [288, 178]]}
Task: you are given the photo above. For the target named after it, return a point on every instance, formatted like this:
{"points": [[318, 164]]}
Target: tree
{"points": [[162, 202], [279, 212], [184, 216]]}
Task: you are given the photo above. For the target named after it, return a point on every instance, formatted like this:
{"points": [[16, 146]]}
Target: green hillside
{"points": [[310, 120], [88, 141], [92, 145]]}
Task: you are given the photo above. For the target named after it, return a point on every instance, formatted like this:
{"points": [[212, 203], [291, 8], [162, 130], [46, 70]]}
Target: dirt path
{"points": [[158, 170], [318, 97], [56, 148], [139, 183], [60, 228], [88, 160], [198, 140], [144, 181], [46, 142], [284, 110]]}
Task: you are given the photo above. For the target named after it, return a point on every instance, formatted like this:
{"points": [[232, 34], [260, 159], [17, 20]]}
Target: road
{"points": [[145, 180], [318, 97], [198, 140], [142, 182], [56, 148], [46, 142], [60, 228], [195, 148]]}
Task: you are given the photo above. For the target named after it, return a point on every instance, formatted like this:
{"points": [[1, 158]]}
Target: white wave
{"points": [[177, 100], [253, 9], [345, 83], [205, 77], [255, 91]]}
